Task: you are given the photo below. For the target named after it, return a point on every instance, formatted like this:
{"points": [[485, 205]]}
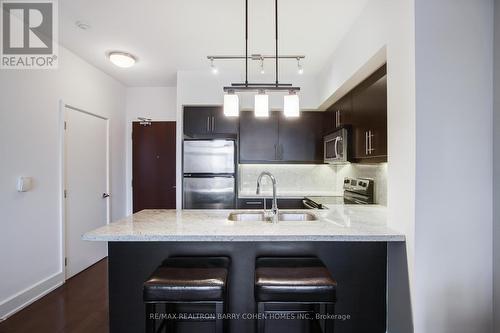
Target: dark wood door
{"points": [[258, 138], [300, 139], [222, 124], [197, 121], [153, 166]]}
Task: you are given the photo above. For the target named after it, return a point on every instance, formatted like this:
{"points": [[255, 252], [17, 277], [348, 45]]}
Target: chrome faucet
{"points": [[274, 209]]}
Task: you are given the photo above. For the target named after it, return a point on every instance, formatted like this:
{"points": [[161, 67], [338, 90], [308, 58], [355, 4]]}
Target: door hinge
{"points": [[65, 261], [65, 194], [65, 125]]}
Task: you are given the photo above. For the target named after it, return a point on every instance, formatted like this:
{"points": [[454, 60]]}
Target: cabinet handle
{"points": [[253, 202], [275, 151], [213, 124], [370, 136], [208, 124], [366, 143], [281, 151]]}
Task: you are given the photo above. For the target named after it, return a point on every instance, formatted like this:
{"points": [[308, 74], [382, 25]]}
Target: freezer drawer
{"points": [[209, 156], [209, 192]]}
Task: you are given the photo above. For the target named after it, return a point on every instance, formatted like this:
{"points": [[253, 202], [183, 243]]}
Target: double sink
{"points": [[282, 216]]}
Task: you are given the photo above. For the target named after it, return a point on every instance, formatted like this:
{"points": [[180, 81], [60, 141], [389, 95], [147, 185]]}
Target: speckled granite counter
{"points": [[339, 223]]}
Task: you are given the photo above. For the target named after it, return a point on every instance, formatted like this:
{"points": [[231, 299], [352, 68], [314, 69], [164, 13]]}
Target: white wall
{"points": [[30, 242], [453, 254], [496, 170], [156, 103], [385, 32]]}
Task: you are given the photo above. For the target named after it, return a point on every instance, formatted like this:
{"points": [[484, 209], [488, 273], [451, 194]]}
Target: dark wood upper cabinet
{"points": [[301, 139], [278, 139], [369, 119], [338, 115], [208, 121], [258, 138]]}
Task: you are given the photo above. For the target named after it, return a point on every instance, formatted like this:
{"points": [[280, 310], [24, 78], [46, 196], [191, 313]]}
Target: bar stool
{"points": [[187, 280], [294, 281]]}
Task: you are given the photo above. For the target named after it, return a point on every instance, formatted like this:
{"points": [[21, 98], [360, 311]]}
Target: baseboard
{"points": [[30, 295]]}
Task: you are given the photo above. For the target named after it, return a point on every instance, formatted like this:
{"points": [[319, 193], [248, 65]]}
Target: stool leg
{"points": [[261, 321], [330, 323], [150, 322], [219, 322]]}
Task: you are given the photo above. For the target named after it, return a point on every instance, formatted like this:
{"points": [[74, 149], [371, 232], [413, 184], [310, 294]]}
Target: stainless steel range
{"points": [[356, 191]]}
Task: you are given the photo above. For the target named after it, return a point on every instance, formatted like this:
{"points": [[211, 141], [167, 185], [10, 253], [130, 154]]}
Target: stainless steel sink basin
{"points": [[282, 216]]}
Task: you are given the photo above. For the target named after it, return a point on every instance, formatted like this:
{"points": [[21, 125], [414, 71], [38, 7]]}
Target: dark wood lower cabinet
{"points": [[258, 203]]}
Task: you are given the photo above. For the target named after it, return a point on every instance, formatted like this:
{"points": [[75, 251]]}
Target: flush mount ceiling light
{"points": [[122, 59], [82, 25], [262, 99], [231, 105]]}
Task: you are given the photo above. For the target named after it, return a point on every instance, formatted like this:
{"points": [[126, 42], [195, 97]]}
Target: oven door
{"points": [[335, 147]]}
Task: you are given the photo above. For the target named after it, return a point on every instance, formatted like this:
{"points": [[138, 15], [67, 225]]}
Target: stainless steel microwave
{"points": [[335, 147]]}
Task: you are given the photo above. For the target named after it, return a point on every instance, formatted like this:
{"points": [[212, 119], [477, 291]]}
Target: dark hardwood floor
{"points": [[78, 306]]}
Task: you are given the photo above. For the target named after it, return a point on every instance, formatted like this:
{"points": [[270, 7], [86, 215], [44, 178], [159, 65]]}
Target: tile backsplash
{"points": [[303, 180], [292, 180]]}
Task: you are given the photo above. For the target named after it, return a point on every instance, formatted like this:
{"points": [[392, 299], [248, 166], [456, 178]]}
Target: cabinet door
{"points": [[329, 120], [258, 138], [222, 124], [369, 117], [343, 111], [197, 121], [300, 139]]}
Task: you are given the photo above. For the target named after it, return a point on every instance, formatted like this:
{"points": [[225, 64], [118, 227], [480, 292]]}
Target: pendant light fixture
{"points": [[261, 107], [231, 104], [291, 105]]}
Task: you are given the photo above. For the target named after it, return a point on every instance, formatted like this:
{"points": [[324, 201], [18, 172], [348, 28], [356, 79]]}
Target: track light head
{"points": [[300, 69], [213, 68]]}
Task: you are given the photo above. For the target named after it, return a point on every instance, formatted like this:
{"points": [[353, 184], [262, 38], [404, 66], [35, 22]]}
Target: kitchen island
{"points": [[350, 239]]}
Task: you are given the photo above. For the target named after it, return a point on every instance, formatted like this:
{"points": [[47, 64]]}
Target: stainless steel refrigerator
{"points": [[209, 174]]}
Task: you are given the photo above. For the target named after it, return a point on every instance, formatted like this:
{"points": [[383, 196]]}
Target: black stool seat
{"points": [[185, 279], [293, 280]]}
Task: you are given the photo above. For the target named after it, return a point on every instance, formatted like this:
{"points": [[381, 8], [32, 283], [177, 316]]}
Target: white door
{"points": [[86, 185]]}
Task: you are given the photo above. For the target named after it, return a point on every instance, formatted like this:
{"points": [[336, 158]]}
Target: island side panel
{"points": [[359, 268]]}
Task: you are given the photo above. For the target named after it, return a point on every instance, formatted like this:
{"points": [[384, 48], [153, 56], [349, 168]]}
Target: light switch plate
{"points": [[24, 184]]}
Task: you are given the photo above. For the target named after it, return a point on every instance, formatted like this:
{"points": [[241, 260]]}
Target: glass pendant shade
{"points": [[261, 105], [231, 105], [291, 105]]}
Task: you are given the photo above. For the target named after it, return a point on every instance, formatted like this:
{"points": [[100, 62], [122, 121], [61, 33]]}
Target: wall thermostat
{"points": [[24, 184]]}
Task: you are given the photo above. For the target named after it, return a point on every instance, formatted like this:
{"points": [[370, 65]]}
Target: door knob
{"points": [[105, 195]]}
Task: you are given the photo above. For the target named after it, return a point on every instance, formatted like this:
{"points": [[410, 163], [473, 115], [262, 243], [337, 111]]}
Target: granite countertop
{"points": [[338, 223]]}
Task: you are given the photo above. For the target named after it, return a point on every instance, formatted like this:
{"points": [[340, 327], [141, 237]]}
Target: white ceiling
{"points": [[171, 35]]}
